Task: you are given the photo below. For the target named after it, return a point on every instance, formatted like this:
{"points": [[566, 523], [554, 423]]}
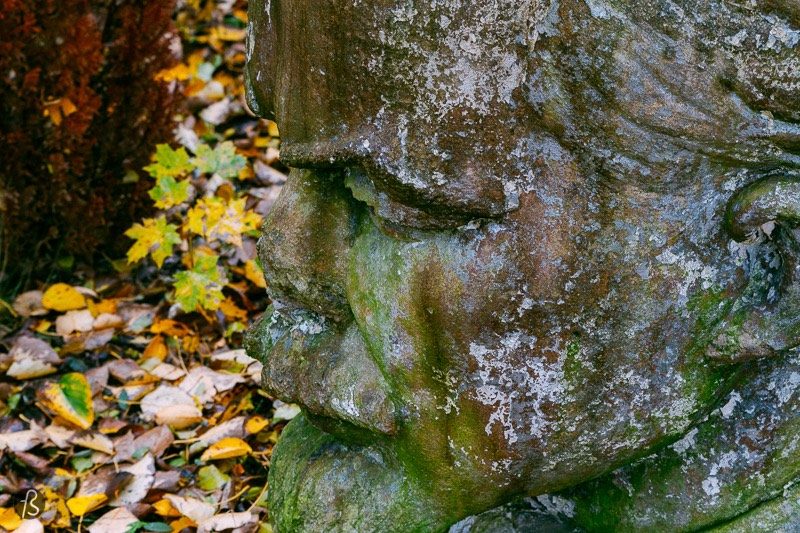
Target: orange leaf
{"points": [[156, 348]]}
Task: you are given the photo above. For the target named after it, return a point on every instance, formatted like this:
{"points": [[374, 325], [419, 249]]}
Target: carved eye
{"points": [[403, 216]]}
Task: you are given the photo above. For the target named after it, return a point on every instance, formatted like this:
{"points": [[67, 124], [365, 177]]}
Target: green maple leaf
{"points": [[154, 237], [169, 162], [222, 160], [168, 192], [201, 286]]}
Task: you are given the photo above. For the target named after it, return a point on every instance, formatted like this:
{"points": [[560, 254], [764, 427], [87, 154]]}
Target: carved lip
{"points": [[327, 371]]}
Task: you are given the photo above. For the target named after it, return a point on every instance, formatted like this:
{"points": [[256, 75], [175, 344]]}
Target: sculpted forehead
{"points": [[452, 105]]}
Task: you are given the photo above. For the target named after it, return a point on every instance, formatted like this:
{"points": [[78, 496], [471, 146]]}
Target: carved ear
{"points": [[765, 320]]}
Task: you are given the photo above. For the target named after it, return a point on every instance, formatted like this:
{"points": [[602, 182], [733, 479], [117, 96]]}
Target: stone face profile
{"points": [[536, 266]]}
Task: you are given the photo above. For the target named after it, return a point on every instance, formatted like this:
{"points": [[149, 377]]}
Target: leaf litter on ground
{"points": [[126, 401]]}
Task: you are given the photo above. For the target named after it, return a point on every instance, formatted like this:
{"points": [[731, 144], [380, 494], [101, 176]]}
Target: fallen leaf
{"points": [[182, 523], [284, 411], [226, 521], [22, 441], [70, 399], [254, 273], [239, 362], [62, 297], [232, 428], [164, 508], [94, 441], [170, 405], [210, 478], [9, 519], [168, 372], [191, 508], [156, 440], [226, 449], [204, 383], [200, 286], [119, 519], [156, 348], [30, 526], [29, 304], [143, 476], [179, 416], [78, 320], [256, 424], [155, 237], [80, 505], [30, 369], [59, 435]]}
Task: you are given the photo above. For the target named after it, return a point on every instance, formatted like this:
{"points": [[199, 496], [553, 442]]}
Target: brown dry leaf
{"points": [[30, 526], [204, 383], [232, 428], [179, 416], [94, 441], [238, 361], [22, 441], [109, 426], [30, 369], [74, 321], [62, 297], [156, 440], [226, 521], [192, 508], [29, 304], [227, 448], [143, 476], [168, 372], [107, 320], [60, 435], [172, 406], [31, 358], [119, 519]]}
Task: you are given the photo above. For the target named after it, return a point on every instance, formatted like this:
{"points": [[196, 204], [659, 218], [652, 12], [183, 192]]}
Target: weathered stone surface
{"points": [[528, 243]]}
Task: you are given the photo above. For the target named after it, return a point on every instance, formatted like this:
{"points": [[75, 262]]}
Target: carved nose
{"points": [[305, 243]]}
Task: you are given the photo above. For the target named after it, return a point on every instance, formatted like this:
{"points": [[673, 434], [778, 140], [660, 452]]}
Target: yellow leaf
{"points": [[256, 424], [70, 399], [170, 327], [155, 237], [62, 297], [165, 508], [254, 273], [180, 72], [231, 310], [9, 519], [182, 523], [230, 34], [80, 505], [226, 449], [103, 306], [216, 219]]}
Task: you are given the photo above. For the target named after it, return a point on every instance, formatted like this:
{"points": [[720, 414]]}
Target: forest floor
{"points": [[126, 401]]}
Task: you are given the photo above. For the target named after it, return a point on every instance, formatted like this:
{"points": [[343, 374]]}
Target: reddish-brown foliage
{"points": [[79, 108]]}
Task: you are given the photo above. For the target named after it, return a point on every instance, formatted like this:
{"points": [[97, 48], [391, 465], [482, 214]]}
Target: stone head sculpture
{"points": [[524, 242]]}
